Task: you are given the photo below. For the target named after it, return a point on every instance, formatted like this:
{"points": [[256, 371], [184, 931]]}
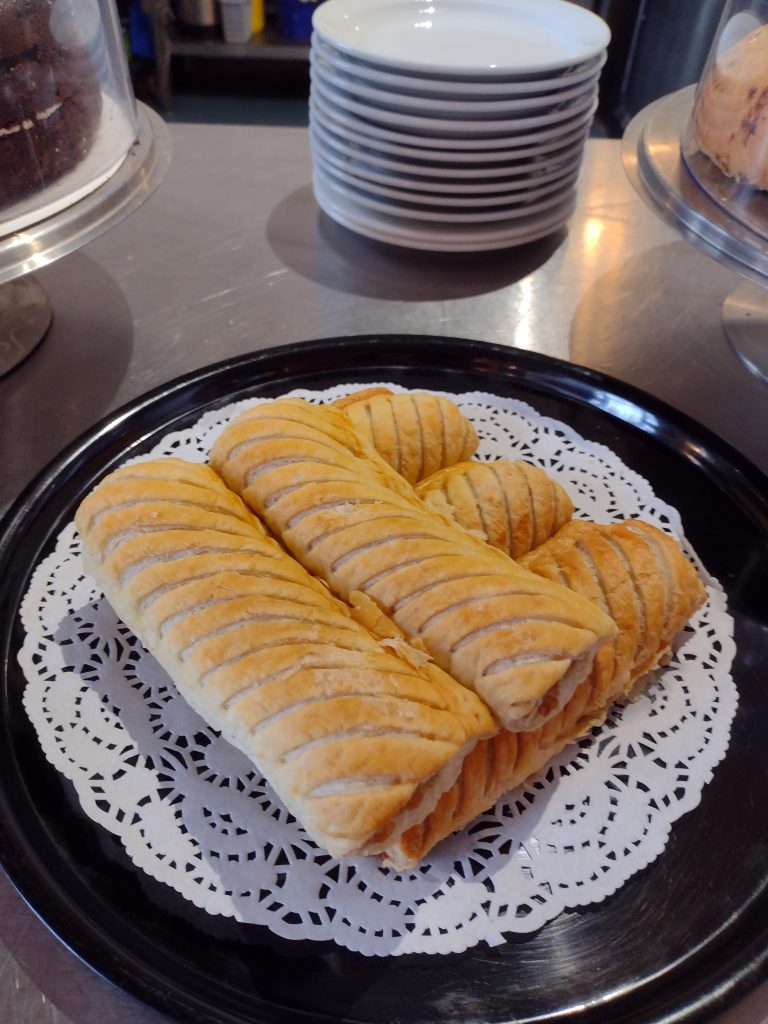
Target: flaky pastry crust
{"points": [[357, 739], [513, 505], [643, 580], [520, 642]]}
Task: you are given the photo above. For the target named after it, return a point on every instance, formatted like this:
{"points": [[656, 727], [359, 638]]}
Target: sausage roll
{"points": [[521, 642], [417, 433], [641, 577], [515, 506], [357, 736]]}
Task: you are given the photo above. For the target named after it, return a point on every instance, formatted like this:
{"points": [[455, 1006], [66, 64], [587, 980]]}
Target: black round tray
{"points": [[677, 942]]}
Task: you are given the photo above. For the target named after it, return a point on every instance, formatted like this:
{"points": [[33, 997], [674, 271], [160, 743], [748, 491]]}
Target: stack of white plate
{"points": [[452, 125]]}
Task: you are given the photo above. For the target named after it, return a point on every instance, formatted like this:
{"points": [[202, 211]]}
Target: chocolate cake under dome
{"points": [[67, 114]]}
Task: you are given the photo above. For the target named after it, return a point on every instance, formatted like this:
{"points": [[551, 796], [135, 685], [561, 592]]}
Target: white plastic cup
{"points": [[236, 20]]}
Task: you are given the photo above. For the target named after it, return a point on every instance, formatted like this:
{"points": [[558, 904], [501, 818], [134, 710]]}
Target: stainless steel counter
{"points": [[232, 255]]}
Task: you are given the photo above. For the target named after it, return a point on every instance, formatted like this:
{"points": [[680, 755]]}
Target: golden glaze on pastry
{"points": [[416, 433], [520, 642], [514, 505], [730, 121], [641, 577], [359, 396], [356, 740]]}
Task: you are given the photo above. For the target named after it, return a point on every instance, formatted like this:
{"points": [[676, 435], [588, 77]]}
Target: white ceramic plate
{"points": [[446, 201], [456, 185], [327, 111], [441, 214], [459, 124], [464, 36], [478, 161], [364, 157], [430, 86], [435, 237], [448, 106]]}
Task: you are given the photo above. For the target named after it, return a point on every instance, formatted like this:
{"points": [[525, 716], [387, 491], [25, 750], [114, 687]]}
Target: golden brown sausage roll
{"points": [[520, 642], [641, 577], [356, 740], [514, 505], [416, 433]]}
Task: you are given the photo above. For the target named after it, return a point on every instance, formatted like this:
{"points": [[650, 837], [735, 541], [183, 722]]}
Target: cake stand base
{"points": [[745, 322], [25, 316]]}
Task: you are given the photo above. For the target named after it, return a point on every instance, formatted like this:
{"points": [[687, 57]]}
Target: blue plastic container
{"points": [[294, 18]]}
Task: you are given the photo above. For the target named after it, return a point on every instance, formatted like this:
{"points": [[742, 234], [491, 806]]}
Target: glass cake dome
{"points": [[725, 142], [67, 113]]}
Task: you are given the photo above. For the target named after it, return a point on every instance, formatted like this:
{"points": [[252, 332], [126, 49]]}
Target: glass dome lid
{"points": [[725, 142], [67, 111]]}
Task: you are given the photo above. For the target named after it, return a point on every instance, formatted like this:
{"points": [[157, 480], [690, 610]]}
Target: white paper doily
{"points": [[194, 813]]}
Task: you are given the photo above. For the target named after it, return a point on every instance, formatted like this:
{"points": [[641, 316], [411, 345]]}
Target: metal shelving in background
{"points": [[657, 47]]}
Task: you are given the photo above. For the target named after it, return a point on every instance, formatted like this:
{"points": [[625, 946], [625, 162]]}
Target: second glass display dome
{"points": [[725, 143]]}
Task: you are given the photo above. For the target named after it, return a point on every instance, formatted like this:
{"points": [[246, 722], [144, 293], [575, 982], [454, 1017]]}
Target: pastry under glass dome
{"points": [[725, 142], [699, 157]]}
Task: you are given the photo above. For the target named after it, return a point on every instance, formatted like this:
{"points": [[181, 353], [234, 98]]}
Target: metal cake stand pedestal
{"points": [[25, 312], [655, 165]]}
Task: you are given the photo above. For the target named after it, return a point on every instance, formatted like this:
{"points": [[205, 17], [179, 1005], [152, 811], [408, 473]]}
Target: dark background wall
{"points": [[657, 46]]}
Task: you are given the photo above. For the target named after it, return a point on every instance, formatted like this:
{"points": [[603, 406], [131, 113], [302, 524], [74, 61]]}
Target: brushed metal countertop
{"points": [[232, 255]]}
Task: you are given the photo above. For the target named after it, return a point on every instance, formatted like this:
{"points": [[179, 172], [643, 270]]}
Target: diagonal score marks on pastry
{"points": [[520, 642], [357, 741], [642, 579]]}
